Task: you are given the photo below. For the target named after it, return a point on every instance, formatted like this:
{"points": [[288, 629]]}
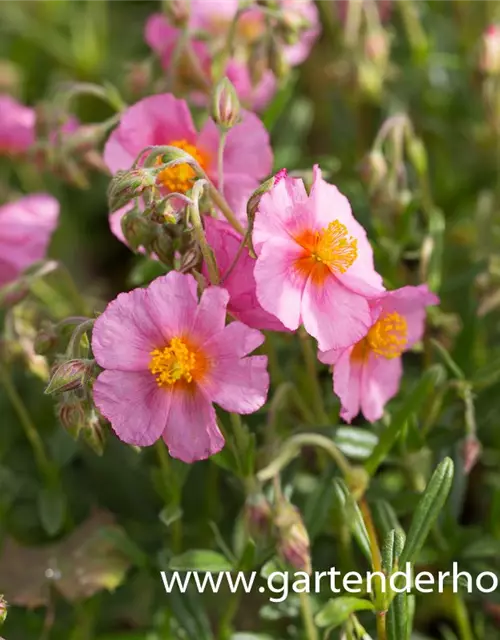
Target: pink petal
{"points": [[237, 190], [172, 304], [279, 285], [155, 120], [17, 126], [239, 385], [125, 334], [255, 97], [347, 384], [134, 405], [283, 210], [296, 54], [333, 315], [191, 432], [380, 382], [211, 314], [235, 341]]}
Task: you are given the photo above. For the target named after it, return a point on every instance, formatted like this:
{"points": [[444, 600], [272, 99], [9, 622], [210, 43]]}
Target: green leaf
{"points": [[412, 403], [52, 509], [170, 514], [428, 510], [337, 611], [354, 442], [319, 503], [200, 560], [353, 516]]}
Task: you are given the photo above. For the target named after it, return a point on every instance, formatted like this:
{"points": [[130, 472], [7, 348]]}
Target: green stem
{"points": [[462, 618], [307, 617], [170, 488], [312, 375], [291, 448], [381, 628], [220, 159], [30, 430], [230, 612], [220, 202], [208, 256]]}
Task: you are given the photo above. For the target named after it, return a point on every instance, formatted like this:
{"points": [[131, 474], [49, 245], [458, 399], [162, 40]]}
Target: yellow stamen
{"points": [[178, 362], [388, 337], [181, 177]]}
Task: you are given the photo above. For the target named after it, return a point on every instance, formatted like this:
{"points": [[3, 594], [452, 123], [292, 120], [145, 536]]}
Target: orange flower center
{"points": [[181, 178], [329, 251], [178, 362], [387, 338]]}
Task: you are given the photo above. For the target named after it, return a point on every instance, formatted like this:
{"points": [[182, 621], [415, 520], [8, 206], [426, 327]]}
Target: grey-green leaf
{"points": [[337, 611]]}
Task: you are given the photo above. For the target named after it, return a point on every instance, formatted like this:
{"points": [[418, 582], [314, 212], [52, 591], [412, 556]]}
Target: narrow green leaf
{"points": [[337, 611], [353, 516], [169, 514], [52, 509], [397, 618], [415, 399], [428, 510], [200, 560], [355, 442]]}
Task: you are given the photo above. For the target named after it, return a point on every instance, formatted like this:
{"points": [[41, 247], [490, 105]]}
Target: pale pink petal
{"points": [[238, 385], [212, 15], [330, 357], [172, 303], [296, 54], [155, 120], [282, 210], [254, 97], [160, 35], [347, 384], [134, 405], [125, 333], [333, 315], [237, 190], [115, 222], [211, 314], [380, 382], [191, 432], [17, 126], [279, 285]]}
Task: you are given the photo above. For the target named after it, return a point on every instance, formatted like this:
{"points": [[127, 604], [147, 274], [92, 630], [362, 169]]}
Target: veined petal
{"points": [[347, 375], [380, 382]]}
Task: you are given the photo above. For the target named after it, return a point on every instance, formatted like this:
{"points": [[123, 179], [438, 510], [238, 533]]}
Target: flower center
{"points": [[331, 250], [388, 337], [178, 362], [181, 177]]}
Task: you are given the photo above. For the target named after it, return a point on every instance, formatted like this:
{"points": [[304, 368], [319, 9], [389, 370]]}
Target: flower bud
{"points": [[93, 433], [163, 247], [292, 24], [471, 453], [418, 155], [3, 610], [258, 515], [177, 12], [137, 229], [376, 47], [293, 540], [70, 375], [489, 57], [357, 481], [46, 339], [373, 169], [127, 185], [254, 200], [72, 415], [225, 105], [13, 292]]}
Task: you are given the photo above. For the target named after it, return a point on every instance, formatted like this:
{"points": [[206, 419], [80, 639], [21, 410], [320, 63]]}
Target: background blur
{"points": [[441, 224]]}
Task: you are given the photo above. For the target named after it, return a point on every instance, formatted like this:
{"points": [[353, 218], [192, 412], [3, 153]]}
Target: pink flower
{"points": [[367, 375], [17, 126], [25, 230], [167, 357], [165, 120], [489, 57], [315, 264], [239, 282]]}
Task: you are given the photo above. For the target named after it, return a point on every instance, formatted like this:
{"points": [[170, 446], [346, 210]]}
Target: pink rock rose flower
{"points": [[26, 226], [315, 264], [367, 375], [17, 126], [165, 120], [167, 358], [243, 305]]}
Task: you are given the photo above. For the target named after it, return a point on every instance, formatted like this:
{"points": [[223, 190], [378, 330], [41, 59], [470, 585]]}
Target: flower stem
{"points": [[208, 256], [307, 617], [220, 159], [312, 375], [169, 488], [29, 428], [220, 202]]}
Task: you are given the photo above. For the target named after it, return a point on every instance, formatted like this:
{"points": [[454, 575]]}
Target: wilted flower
{"points": [[243, 305], [367, 375], [293, 540], [17, 126], [315, 264], [26, 226], [164, 120], [167, 357]]}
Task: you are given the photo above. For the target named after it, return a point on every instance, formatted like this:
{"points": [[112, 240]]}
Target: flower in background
{"points": [[26, 226], [315, 264], [17, 126], [489, 59], [237, 277], [165, 120], [214, 18], [367, 375], [167, 358]]}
